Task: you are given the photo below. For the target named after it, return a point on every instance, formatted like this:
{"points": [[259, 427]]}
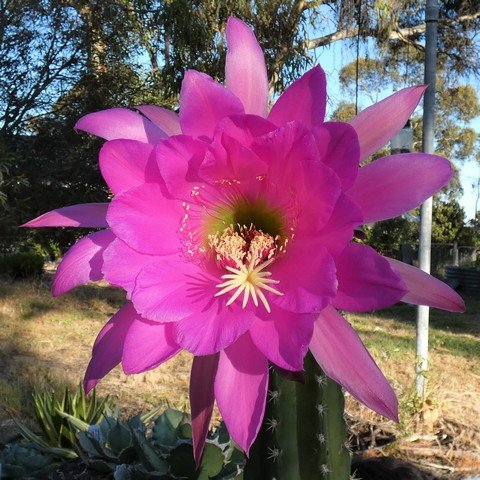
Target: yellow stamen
{"points": [[250, 281]]}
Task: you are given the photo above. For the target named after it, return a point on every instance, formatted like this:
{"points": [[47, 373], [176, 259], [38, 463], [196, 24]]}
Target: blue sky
{"points": [[334, 58]]}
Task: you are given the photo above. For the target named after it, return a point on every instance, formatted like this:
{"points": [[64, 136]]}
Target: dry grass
{"points": [[46, 341]]}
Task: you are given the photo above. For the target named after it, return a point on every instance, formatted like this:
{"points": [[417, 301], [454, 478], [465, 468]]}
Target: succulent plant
{"points": [[53, 415], [163, 450], [25, 462]]}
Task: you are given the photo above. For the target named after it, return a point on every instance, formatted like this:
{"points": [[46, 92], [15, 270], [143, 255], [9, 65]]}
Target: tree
{"points": [[397, 29], [60, 59], [38, 58]]}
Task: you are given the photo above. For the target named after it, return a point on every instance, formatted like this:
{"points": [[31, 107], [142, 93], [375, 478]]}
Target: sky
{"points": [[334, 58]]}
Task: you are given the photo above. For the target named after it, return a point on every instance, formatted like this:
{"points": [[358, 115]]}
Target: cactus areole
{"points": [[231, 232]]}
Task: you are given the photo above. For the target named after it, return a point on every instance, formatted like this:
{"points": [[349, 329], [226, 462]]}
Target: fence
{"points": [[443, 254]]}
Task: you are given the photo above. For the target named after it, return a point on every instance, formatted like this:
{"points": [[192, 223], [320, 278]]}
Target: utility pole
{"points": [[431, 20]]}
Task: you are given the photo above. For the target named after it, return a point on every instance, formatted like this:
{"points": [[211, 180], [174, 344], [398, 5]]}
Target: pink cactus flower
{"points": [[231, 232]]}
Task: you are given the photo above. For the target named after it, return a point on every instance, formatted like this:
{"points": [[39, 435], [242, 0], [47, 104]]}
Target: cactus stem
{"points": [[273, 395], [272, 424], [273, 454], [303, 433]]}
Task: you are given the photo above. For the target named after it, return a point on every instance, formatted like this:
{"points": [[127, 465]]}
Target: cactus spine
{"points": [[303, 433]]}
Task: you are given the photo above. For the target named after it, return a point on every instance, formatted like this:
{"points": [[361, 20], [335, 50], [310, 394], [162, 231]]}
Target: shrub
{"points": [[22, 265]]}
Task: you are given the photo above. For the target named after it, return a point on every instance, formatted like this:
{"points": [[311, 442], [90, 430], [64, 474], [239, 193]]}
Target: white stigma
{"points": [[250, 279]]}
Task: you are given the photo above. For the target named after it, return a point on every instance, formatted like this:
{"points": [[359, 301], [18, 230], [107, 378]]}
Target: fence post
{"points": [[455, 254]]}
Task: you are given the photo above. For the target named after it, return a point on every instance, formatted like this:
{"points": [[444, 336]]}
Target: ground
{"points": [[46, 341]]}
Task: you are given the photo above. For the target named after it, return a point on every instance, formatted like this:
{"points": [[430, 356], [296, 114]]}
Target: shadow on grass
{"points": [[29, 318], [461, 323]]}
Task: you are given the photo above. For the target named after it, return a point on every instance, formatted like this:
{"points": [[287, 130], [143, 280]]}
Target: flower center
{"points": [[245, 252]]}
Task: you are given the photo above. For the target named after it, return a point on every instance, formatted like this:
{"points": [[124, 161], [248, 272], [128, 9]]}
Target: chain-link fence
{"points": [[443, 254]]}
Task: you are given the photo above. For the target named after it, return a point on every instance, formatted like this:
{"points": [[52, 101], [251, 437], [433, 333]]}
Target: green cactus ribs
{"points": [[303, 435]]}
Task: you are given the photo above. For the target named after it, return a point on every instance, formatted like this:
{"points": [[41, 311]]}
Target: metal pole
{"points": [[431, 19], [456, 261]]}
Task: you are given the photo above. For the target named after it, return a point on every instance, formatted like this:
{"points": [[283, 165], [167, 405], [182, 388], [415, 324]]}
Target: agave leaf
{"points": [[44, 407], [212, 462], [135, 423], [184, 431], [149, 457], [181, 461], [83, 401], [119, 438], [76, 422], [60, 452], [165, 428], [147, 417], [93, 447], [30, 436], [106, 425], [127, 455]]}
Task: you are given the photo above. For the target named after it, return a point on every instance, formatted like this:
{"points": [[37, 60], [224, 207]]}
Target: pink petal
{"points": [[294, 165], [377, 124], [89, 215], [122, 265], [304, 100], [146, 220], [366, 281], [202, 398], [203, 103], [163, 118], [307, 277], [82, 263], [245, 70], [179, 159], [394, 185], [423, 289], [120, 123], [244, 128], [343, 357], [127, 163], [241, 390], [231, 161], [147, 345], [171, 288], [338, 146], [283, 337], [338, 232], [108, 348], [212, 328]]}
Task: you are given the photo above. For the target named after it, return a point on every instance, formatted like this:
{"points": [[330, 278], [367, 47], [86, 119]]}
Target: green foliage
{"points": [[470, 234], [61, 418], [22, 265], [24, 462], [388, 236], [448, 221], [145, 447], [163, 449], [344, 112]]}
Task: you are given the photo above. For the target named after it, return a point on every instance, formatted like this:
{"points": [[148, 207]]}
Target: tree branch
{"points": [[402, 34]]}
